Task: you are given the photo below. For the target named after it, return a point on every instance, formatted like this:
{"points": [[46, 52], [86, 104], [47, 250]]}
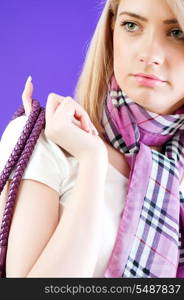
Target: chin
{"points": [[143, 100]]}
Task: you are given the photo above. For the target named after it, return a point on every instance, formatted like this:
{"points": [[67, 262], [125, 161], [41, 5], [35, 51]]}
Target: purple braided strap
{"points": [[18, 160]]}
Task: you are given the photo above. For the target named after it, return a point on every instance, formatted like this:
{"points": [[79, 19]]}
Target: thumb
{"points": [[27, 95]]}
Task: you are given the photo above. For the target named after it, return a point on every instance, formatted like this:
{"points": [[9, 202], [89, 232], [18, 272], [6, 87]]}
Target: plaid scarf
{"points": [[150, 238]]}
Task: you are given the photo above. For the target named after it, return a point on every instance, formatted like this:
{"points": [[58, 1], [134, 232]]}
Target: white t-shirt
{"points": [[52, 166]]}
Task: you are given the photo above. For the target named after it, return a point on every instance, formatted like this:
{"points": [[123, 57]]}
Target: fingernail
{"points": [[95, 132], [29, 79]]}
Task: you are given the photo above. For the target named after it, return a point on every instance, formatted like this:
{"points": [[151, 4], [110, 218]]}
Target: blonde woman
{"points": [[108, 203]]}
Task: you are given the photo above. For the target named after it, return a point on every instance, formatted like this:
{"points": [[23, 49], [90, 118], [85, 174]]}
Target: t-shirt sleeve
{"points": [[47, 164]]}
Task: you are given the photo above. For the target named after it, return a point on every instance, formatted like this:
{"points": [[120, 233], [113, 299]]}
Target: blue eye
{"points": [[127, 27]]}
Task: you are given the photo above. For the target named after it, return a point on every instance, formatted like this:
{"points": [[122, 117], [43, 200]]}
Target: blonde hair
{"points": [[91, 88]]}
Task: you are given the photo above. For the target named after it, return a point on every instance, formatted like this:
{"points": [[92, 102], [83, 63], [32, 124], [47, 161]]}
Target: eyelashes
{"points": [[123, 24], [135, 27]]}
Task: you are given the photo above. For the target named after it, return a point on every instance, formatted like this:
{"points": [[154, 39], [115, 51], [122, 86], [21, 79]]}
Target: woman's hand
{"points": [[67, 124]]}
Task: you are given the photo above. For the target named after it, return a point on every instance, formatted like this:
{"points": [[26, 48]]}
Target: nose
{"points": [[152, 52], [150, 60]]}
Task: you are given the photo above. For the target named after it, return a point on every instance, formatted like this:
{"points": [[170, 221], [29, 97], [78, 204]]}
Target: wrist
{"points": [[98, 157]]}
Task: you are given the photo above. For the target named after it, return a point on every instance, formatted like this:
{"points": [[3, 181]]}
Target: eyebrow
{"points": [[170, 21]]}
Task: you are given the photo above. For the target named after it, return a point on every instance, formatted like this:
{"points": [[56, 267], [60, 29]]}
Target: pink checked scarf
{"points": [[150, 239]]}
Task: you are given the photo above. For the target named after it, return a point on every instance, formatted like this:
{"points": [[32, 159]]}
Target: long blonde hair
{"points": [[97, 69]]}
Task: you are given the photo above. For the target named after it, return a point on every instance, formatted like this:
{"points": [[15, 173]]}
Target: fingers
{"points": [[56, 102], [83, 117], [75, 111], [27, 96], [53, 101]]}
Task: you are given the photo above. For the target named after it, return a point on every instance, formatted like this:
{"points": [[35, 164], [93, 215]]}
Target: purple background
{"points": [[46, 39]]}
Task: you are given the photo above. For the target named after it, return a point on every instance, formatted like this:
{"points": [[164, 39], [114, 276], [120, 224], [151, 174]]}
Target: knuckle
{"points": [[85, 112], [51, 96], [69, 98], [86, 115]]}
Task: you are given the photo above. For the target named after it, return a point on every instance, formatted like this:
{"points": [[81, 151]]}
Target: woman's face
{"points": [[152, 43]]}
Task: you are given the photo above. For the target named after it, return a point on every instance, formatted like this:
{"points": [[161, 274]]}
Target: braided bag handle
{"points": [[18, 159]]}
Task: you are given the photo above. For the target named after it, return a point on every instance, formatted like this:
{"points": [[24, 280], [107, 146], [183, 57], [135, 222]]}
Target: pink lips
{"points": [[151, 76], [148, 80]]}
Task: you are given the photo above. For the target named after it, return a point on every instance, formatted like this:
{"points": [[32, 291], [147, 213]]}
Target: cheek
{"points": [[119, 50], [175, 63], [177, 74], [121, 55], [124, 52]]}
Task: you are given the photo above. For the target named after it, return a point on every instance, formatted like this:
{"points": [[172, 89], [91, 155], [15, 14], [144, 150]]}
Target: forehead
{"points": [[157, 8]]}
